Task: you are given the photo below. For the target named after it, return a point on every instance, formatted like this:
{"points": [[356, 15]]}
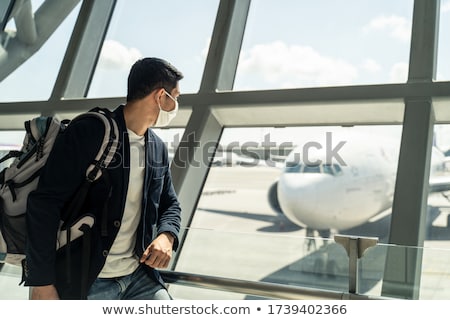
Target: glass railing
{"points": [[311, 263], [264, 256]]}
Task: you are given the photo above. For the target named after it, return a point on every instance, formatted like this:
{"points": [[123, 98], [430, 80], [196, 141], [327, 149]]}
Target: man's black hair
{"points": [[148, 74]]}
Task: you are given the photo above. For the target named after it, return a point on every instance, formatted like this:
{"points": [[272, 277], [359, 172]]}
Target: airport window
{"points": [[180, 33], [255, 210], [298, 49], [34, 78]]}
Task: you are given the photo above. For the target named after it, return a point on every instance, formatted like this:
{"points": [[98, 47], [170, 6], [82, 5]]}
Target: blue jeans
{"points": [[136, 286]]}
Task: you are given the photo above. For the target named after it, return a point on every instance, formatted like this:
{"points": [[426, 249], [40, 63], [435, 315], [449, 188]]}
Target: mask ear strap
{"points": [[158, 97], [159, 102]]}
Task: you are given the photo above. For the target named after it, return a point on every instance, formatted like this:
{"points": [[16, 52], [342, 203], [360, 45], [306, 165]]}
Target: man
{"points": [[142, 217]]}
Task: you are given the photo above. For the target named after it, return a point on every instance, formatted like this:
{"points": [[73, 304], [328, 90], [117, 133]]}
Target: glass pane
{"points": [[443, 66], [320, 43], [361, 186], [435, 276], [268, 256], [35, 78], [439, 191], [268, 203], [288, 258], [178, 31]]}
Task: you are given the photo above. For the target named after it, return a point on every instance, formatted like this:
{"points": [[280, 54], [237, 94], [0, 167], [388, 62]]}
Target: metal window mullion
{"points": [[408, 225], [223, 54], [335, 97], [83, 50]]}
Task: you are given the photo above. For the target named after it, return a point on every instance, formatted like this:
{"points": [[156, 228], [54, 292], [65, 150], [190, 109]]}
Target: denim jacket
{"points": [[64, 172]]}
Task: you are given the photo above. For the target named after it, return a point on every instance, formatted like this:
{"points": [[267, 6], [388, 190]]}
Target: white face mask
{"points": [[164, 117]]}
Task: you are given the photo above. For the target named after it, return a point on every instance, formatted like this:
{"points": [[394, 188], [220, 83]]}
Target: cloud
{"points": [[294, 65], [399, 72], [398, 27], [115, 55], [205, 50], [371, 66], [445, 7]]}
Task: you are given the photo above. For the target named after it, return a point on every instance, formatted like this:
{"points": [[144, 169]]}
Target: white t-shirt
{"points": [[121, 259]]}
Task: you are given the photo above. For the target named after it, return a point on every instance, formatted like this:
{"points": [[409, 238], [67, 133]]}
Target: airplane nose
{"points": [[297, 196]]}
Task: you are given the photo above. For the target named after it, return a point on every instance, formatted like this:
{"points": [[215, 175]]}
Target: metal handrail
{"points": [[262, 289]]}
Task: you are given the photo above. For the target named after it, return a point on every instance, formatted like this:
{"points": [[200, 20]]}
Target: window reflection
{"points": [[35, 77]]}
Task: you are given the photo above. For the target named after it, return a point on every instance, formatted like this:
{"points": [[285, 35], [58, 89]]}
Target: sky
{"points": [[287, 44]]}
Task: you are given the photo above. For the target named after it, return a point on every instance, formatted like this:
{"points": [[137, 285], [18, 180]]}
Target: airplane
{"points": [[229, 158], [319, 194]]}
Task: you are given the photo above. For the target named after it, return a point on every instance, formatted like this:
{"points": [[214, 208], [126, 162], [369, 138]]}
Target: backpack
{"points": [[22, 176]]}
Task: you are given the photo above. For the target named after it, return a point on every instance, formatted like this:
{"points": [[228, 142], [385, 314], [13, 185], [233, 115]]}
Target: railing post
{"points": [[355, 247]]}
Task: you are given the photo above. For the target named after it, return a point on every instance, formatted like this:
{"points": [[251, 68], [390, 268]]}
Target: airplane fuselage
{"points": [[323, 194], [341, 198]]}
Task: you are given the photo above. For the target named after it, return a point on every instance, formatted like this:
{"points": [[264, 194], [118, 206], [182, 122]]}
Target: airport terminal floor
{"points": [[310, 155]]}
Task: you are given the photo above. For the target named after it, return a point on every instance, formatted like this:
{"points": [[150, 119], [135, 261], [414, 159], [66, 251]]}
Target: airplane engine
{"points": [[273, 198]]}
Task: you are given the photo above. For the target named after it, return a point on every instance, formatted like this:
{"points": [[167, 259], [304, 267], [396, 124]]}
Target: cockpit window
{"points": [[293, 167], [327, 168], [311, 169], [337, 168], [331, 169]]}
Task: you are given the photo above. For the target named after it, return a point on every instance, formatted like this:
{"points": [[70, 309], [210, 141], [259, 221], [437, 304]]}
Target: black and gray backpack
{"points": [[22, 176]]}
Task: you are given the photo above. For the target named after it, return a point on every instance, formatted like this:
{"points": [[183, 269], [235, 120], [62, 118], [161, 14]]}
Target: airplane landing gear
{"points": [[310, 240]]}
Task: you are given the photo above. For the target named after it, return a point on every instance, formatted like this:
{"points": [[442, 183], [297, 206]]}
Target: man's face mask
{"points": [[164, 117]]}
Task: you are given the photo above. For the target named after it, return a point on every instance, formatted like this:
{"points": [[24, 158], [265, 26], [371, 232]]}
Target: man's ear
{"points": [[157, 94], [160, 92]]}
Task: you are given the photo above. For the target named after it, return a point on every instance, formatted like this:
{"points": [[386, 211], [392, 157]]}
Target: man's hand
{"points": [[44, 293], [159, 252]]}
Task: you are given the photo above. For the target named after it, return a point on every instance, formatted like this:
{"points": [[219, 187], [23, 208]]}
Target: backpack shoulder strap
{"points": [[101, 161], [109, 143]]}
